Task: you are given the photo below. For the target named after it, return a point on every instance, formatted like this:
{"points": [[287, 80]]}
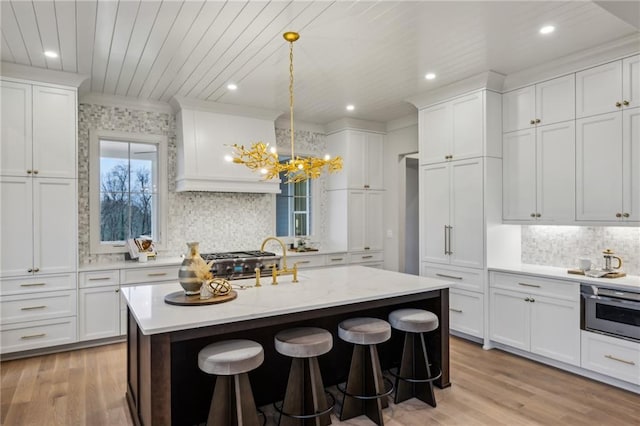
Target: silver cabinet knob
{"points": [[532, 215], [532, 122], [618, 214], [625, 215], [527, 300], [537, 121], [625, 103], [28, 172], [538, 215], [618, 104]]}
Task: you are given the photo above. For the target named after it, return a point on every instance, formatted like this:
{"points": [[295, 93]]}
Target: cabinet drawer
{"points": [[304, 262], [465, 312], [38, 306], [462, 278], [365, 256], [99, 278], [38, 334], [40, 283], [149, 275], [611, 356], [336, 259], [533, 285]]}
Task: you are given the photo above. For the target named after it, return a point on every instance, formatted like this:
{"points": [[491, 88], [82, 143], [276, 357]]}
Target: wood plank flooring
{"points": [[87, 386]]}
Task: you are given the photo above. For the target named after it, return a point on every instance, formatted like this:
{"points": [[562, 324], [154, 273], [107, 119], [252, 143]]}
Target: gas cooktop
{"points": [[234, 265], [247, 254]]}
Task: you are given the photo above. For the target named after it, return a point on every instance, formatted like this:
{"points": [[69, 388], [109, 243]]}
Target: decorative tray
{"points": [[597, 275], [181, 299]]}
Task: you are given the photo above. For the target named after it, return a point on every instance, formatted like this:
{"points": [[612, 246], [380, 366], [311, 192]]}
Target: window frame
{"points": [[95, 135]]}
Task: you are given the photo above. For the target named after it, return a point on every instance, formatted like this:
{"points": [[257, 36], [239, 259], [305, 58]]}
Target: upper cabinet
{"points": [[206, 132], [38, 130], [456, 130], [609, 87], [545, 103], [361, 152]]}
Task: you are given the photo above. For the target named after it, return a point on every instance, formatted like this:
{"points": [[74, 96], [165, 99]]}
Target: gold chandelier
{"points": [[264, 159]]}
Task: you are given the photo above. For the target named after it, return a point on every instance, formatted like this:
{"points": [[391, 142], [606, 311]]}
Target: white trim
{"points": [[402, 122], [125, 102], [94, 195], [41, 75], [354, 124], [180, 103], [284, 124]]}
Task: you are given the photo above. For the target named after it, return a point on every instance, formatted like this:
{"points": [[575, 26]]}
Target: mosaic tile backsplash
{"points": [[562, 245], [219, 221]]}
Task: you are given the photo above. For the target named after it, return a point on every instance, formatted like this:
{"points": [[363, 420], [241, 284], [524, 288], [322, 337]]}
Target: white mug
{"points": [[584, 263], [142, 257]]}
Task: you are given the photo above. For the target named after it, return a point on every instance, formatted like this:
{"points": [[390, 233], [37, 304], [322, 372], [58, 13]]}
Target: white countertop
{"points": [[630, 281], [319, 288], [125, 264]]}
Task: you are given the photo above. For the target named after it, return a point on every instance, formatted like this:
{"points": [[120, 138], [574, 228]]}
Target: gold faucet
{"points": [[274, 270]]}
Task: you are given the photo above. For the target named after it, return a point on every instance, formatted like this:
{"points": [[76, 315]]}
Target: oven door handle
{"points": [[619, 295]]}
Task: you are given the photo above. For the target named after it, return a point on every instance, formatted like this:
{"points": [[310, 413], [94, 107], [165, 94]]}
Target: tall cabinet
{"points": [[38, 186], [355, 195], [460, 184]]}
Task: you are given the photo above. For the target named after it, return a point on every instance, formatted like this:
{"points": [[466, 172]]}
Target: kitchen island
{"points": [[164, 384]]}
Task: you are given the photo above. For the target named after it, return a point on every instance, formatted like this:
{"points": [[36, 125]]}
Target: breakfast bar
{"points": [[164, 384]]}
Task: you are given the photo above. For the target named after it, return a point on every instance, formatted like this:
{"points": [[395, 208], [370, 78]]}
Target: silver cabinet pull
{"points": [[445, 240], [336, 259], [620, 360], [99, 279], [450, 251], [367, 257], [303, 261], [156, 274], [456, 310], [529, 285], [33, 336], [32, 284], [31, 308], [36, 270], [367, 248], [448, 276]]}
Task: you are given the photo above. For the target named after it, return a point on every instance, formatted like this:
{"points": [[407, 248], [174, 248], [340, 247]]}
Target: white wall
{"points": [[401, 139]]}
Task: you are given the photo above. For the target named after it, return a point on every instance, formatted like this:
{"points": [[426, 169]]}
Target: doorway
{"points": [[409, 261]]}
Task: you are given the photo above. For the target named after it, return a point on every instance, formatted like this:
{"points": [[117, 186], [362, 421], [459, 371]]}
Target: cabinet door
{"points": [[356, 159], [509, 319], [631, 81], [99, 315], [631, 164], [598, 89], [555, 175], [373, 220], [356, 220], [519, 175], [374, 167], [466, 231], [598, 167], [555, 100], [555, 329], [465, 312], [16, 225], [54, 132], [435, 133], [15, 154], [434, 212], [54, 225], [518, 109], [467, 126]]}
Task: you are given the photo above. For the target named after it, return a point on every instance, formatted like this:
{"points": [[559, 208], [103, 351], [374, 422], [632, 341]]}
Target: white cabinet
{"points": [[38, 130], [355, 219], [611, 356], [99, 312], [537, 315], [454, 130], [608, 167], [361, 152], [466, 312], [545, 103], [609, 87], [539, 174], [452, 213]]}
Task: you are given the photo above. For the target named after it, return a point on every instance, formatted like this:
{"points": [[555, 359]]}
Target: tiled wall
{"points": [[219, 221], [563, 245]]}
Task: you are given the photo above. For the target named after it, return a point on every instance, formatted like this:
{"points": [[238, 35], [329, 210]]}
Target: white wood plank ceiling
{"points": [[371, 54]]}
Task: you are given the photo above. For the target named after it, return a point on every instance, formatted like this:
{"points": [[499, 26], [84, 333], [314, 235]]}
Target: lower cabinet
{"points": [[99, 312], [541, 316], [38, 334], [465, 312], [611, 356]]}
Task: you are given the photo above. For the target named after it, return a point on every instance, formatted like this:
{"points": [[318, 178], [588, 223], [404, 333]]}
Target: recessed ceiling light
{"points": [[547, 29], [350, 107], [430, 76], [50, 54], [232, 86]]}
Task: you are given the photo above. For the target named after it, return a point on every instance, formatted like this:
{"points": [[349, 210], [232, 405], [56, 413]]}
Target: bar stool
{"points": [[365, 391], [232, 402], [305, 400], [414, 378]]}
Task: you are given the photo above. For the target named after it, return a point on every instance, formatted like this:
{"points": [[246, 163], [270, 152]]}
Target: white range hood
{"points": [[206, 132]]}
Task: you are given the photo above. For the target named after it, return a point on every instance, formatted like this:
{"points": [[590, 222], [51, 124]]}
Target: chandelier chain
{"points": [[291, 95]]}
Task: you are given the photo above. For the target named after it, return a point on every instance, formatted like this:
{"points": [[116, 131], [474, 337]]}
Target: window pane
{"points": [[300, 189], [300, 221], [300, 204], [143, 161], [114, 216], [142, 206]]}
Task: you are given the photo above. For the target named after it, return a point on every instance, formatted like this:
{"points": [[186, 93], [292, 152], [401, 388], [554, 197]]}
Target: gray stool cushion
{"points": [[303, 342], [230, 357], [413, 320], [364, 331]]}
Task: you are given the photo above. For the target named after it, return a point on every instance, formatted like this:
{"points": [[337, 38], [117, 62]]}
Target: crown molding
{"points": [[354, 124], [490, 80], [284, 123], [402, 122], [125, 102], [41, 75], [179, 103]]}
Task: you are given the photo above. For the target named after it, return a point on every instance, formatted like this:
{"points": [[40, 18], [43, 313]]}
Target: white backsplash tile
{"points": [[562, 245]]}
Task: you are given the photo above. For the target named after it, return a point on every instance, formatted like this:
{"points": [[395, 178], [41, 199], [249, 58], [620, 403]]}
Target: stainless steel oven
{"points": [[611, 311]]}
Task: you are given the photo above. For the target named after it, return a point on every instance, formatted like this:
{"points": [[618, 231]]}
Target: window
{"points": [[127, 189], [293, 209]]}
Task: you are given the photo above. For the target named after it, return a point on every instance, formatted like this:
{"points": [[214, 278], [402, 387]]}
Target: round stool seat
{"points": [[364, 331], [413, 320], [303, 342], [230, 357]]}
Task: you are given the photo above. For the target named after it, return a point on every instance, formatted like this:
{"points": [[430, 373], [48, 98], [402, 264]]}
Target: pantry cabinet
{"points": [[355, 218], [361, 153], [539, 174]]}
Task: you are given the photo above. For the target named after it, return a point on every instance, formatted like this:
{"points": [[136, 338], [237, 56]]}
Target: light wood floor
{"points": [[86, 387]]}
